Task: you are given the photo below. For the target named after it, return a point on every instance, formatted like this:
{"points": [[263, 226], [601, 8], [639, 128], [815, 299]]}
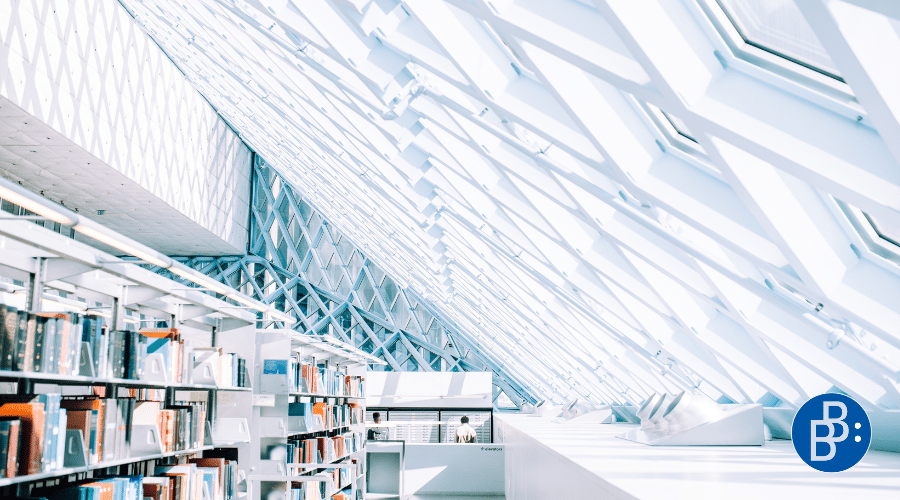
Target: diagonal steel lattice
{"points": [[610, 197], [304, 266]]}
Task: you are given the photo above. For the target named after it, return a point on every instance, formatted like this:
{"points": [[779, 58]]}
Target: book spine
{"points": [[64, 332], [4, 445], [3, 347], [21, 338], [61, 438], [50, 340], [74, 343], [40, 329], [30, 345], [12, 451], [96, 344], [93, 444]]}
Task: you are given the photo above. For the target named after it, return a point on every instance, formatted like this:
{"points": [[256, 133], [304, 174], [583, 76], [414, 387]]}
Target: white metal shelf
{"points": [[314, 395], [60, 379], [103, 465], [330, 429]]}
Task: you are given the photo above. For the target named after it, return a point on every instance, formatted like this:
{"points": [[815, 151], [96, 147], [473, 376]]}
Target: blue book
{"points": [[134, 487], [51, 429]]}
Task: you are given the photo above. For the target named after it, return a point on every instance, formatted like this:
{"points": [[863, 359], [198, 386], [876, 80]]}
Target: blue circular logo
{"points": [[831, 432]]}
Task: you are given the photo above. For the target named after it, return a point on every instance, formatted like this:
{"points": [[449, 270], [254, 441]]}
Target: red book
{"points": [[32, 431]]}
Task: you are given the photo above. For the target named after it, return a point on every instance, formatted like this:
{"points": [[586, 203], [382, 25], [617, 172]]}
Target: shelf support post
{"points": [[36, 285]]}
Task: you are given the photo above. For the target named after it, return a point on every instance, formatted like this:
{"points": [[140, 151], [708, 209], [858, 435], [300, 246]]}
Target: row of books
{"points": [[31, 440], [313, 417], [33, 433], [226, 369], [182, 363], [309, 378], [181, 427], [44, 342], [200, 479], [76, 344], [339, 485], [324, 450]]}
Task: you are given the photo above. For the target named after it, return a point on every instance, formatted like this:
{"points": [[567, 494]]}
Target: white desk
{"points": [[586, 461]]}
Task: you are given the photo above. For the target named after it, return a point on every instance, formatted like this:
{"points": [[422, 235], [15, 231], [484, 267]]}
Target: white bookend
{"points": [[145, 441], [86, 365], [75, 451], [231, 430], [206, 365], [155, 369]]}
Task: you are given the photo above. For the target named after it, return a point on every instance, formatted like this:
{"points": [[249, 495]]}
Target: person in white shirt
{"points": [[465, 433]]}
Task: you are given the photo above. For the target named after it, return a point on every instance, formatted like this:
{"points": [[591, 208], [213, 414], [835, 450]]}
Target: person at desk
{"points": [[377, 433], [465, 433]]}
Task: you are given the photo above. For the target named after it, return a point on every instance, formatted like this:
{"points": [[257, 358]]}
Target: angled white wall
{"points": [[93, 114]]}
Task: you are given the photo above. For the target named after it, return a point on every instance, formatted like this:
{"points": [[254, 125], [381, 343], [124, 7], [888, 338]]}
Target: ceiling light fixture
{"points": [[26, 199]]}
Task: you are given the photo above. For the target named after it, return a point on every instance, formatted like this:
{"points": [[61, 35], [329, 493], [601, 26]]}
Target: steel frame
{"points": [[499, 159]]}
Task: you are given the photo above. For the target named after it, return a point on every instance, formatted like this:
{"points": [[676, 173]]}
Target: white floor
{"points": [[623, 469]]}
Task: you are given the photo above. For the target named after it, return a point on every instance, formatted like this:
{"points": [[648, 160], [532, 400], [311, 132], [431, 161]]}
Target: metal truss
{"points": [[302, 265], [610, 197]]}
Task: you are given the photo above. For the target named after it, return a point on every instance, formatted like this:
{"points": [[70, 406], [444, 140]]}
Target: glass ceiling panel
{"points": [[887, 229], [480, 188], [778, 26]]}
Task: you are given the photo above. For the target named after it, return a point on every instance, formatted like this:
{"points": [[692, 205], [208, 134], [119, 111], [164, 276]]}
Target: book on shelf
{"points": [[31, 444], [225, 369], [323, 450], [32, 434], [335, 484], [309, 417], [170, 482], [309, 378], [9, 446], [77, 344]]}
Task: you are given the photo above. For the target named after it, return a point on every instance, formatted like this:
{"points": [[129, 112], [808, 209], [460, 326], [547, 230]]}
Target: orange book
{"points": [[160, 333], [107, 490], [32, 432], [320, 409]]}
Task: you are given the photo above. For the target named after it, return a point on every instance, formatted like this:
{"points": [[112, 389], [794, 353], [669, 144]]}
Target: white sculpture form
{"points": [[695, 420]]}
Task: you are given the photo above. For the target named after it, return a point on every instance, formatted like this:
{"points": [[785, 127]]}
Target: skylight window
{"points": [[675, 131], [887, 230], [778, 27], [881, 235]]}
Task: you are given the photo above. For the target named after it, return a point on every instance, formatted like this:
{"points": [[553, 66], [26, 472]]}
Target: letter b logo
{"points": [[831, 432]]}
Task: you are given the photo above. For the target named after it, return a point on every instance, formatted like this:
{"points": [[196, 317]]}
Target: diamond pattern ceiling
{"points": [[611, 197]]}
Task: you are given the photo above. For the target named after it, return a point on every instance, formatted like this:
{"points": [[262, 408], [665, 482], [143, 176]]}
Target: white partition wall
{"points": [[447, 469]]}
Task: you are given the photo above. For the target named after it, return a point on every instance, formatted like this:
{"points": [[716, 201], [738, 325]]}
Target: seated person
{"points": [[377, 433]]}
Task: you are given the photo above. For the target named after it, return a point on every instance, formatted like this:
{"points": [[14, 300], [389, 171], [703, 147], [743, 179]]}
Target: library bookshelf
{"points": [[309, 418], [113, 395]]}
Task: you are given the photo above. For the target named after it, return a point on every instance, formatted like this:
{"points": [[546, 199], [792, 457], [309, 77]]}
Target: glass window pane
{"points": [[887, 229], [778, 26]]}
